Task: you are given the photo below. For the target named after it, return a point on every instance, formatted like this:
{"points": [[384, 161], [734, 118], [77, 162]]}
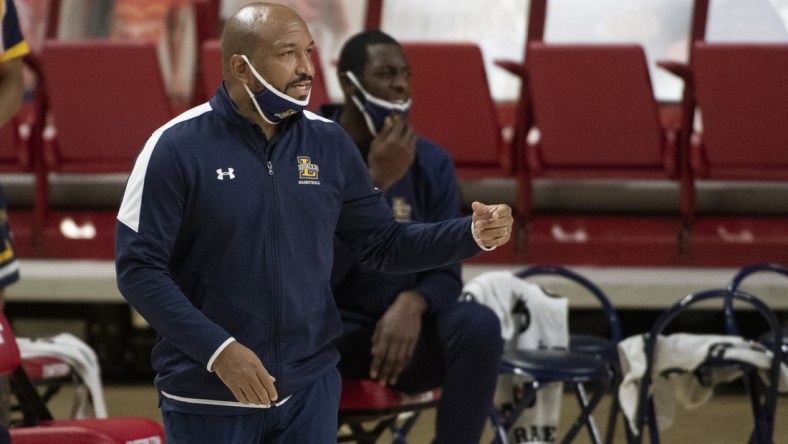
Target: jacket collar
{"points": [[222, 104]]}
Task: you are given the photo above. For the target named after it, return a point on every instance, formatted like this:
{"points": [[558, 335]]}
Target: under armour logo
{"points": [[228, 173]]}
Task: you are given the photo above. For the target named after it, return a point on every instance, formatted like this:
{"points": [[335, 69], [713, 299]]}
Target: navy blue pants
{"points": [[459, 350], [309, 416]]}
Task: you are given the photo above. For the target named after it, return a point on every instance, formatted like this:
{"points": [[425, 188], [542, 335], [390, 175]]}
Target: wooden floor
{"points": [[724, 419]]}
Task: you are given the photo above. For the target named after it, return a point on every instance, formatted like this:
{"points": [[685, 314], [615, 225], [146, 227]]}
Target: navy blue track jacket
{"points": [[224, 234]]}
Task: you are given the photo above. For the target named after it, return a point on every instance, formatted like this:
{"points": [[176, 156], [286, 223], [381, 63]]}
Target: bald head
{"points": [[256, 23]]}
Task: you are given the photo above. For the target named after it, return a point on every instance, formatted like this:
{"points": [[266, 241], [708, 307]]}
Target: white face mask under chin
{"points": [[374, 109]]}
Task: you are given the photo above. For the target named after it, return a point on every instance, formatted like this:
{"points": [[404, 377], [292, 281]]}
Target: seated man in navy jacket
{"points": [[409, 331]]}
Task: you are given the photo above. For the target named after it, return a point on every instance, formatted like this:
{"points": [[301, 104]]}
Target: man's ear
{"points": [[240, 69], [348, 87]]}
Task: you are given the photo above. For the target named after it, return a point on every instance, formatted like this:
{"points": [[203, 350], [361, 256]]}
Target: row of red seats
{"points": [[591, 106], [597, 119], [587, 114]]}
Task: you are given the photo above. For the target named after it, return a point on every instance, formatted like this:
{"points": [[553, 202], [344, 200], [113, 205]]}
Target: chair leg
{"points": [[501, 425], [764, 423], [524, 398], [499, 431], [653, 428], [362, 435], [50, 391], [649, 422], [585, 418], [399, 426], [612, 419], [34, 409], [615, 405], [400, 433]]}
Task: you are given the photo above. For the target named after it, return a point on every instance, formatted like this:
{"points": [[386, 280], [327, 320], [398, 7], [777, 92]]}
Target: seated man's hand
{"points": [[395, 337], [391, 152], [244, 374]]}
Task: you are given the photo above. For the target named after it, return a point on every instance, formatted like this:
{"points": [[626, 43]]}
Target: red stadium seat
{"points": [[596, 112], [590, 142], [741, 92], [118, 430], [105, 99], [367, 410], [596, 117], [452, 106], [50, 372]]}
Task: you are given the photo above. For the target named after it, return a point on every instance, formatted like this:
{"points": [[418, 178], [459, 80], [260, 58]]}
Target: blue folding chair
{"points": [[732, 325], [764, 403], [735, 284], [590, 360]]}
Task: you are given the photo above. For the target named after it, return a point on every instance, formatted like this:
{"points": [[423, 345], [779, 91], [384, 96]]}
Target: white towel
{"points": [[501, 291], [530, 319], [673, 377], [89, 395]]}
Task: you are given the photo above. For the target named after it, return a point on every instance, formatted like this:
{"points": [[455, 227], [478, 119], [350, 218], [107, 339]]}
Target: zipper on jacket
{"points": [[275, 282], [269, 155]]}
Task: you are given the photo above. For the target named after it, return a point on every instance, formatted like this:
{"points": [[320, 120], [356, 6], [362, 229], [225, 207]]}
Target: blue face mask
{"points": [[375, 109], [272, 104]]}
